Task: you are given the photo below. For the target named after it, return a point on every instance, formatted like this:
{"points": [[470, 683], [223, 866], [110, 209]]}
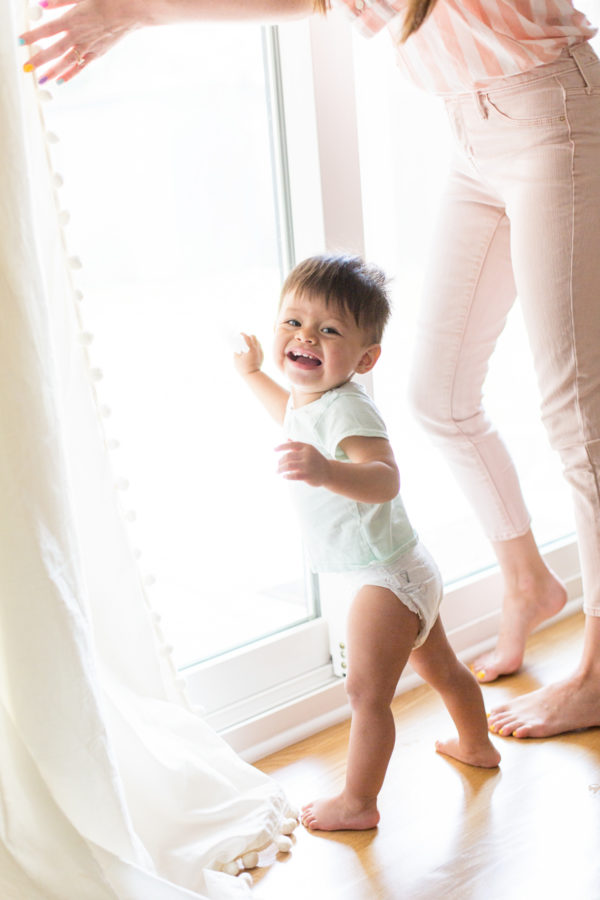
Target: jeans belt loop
{"points": [[573, 55]]}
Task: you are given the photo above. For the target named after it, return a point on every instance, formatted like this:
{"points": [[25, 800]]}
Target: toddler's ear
{"points": [[368, 359]]}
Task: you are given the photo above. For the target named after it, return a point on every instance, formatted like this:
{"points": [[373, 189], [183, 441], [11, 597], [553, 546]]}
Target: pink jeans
{"points": [[521, 215]]}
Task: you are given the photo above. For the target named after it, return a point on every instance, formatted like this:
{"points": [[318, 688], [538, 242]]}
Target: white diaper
{"points": [[415, 580]]}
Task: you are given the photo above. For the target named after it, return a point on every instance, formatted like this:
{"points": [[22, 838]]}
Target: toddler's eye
{"points": [[329, 330], [293, 322]]}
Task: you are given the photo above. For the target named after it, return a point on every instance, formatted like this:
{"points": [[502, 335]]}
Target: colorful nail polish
{"points": [[28, 67], [60, 80], [21, 41], [44, 3], [43, 79], [481, 674]]}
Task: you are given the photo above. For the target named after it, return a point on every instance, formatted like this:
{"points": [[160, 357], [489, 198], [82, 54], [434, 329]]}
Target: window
{"points": [[175, 177], [198, 161]]}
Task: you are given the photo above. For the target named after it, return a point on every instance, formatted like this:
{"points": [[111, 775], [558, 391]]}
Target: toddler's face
{"points": [[317, 347]]}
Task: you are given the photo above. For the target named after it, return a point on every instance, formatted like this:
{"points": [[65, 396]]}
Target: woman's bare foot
{"points": [[336, 814], [521, 613], [565, 706], [483, 755]]}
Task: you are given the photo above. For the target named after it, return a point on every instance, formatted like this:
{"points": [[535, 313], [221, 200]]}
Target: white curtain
{"points": [[111, 786]]}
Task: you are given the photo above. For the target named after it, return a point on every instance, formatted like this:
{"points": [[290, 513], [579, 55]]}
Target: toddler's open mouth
{"points": [[302, 358]]}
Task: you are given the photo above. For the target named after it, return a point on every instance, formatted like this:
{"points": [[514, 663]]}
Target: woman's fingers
{"points": [[83, 33]]}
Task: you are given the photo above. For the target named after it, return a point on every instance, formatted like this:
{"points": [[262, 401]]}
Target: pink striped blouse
{"points": [[465, 44]]}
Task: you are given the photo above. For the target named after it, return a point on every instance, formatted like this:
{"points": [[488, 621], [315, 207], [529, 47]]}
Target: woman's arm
{"points": [[91, 27]]}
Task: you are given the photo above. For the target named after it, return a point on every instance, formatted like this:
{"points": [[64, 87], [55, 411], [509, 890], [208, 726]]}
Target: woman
{"points": [[520, 215]]}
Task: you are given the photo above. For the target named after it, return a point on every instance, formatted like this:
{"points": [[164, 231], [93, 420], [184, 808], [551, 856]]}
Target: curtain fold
{"points": [[111, 785]]}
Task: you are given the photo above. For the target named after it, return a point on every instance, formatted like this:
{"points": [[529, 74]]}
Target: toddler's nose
{"points": [[305, 336]]}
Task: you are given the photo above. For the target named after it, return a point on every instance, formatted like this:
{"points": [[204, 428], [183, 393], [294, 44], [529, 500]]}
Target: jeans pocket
{"points": [[533, 103]]}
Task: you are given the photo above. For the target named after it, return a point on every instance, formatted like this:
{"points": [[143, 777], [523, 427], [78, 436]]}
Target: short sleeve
{"points": [[351, 414], [370, 16]]}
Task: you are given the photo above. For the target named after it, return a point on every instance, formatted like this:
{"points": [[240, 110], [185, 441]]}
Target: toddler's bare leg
{"points": [[437, 663], [381, 634]]}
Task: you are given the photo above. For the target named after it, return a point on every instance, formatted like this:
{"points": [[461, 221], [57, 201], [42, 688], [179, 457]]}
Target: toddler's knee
{"points": [[362, 694]]}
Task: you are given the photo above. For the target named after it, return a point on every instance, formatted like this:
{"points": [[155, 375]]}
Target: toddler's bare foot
{"points": [[565, 706], [336, 814], [521, 613], [483, 754]]}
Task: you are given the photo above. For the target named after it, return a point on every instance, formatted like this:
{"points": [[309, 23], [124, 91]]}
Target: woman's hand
{"points": [[83, 33], [249, 361], [91, 27]]}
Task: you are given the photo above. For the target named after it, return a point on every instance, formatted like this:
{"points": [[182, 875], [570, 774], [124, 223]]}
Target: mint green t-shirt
{"points": [[341, 534]]}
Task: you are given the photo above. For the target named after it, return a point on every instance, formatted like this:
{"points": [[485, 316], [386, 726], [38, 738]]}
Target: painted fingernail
{"points": [[28, 67], [43, 79], [60, 81], [21, 41], [44, 3], [481, 674]]}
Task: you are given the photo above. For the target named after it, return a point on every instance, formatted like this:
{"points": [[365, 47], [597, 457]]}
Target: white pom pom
{"points": [[288, 826], [246, 877], [105, 411], [64, 217], [113, 444], [168, 649], [96, 374], [86, 338], [294, 813], [231, 868], [52, 138], [79, 296], [45, 96], [58, 180], [250, 860], [75, 262], [283, 844]]}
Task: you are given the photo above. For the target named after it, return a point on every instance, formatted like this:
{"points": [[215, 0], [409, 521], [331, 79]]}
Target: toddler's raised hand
{"points": [[250, 360], [302, 462]]}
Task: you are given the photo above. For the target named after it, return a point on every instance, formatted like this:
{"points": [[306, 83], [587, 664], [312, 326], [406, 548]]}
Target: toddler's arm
{"points": [[370, 476], [272, 396]]}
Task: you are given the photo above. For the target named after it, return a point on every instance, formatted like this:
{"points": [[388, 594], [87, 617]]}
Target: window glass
{"points": [[166, 151]]}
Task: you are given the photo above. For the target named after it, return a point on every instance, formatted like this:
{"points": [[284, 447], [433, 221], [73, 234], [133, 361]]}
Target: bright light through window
{"points": [[167, 158]]}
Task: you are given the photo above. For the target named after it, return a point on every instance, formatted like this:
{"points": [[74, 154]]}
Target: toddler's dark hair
{"points": [[347, 282]]}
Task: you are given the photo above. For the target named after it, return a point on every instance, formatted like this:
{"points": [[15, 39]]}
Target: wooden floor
{"points": [[528, 830]]}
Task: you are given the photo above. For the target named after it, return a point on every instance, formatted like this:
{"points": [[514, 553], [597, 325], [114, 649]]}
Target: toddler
{"points": [[332, 313]]}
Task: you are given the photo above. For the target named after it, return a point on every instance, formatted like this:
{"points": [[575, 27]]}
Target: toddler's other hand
{"points": [[302, 462], [250, 360]]}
